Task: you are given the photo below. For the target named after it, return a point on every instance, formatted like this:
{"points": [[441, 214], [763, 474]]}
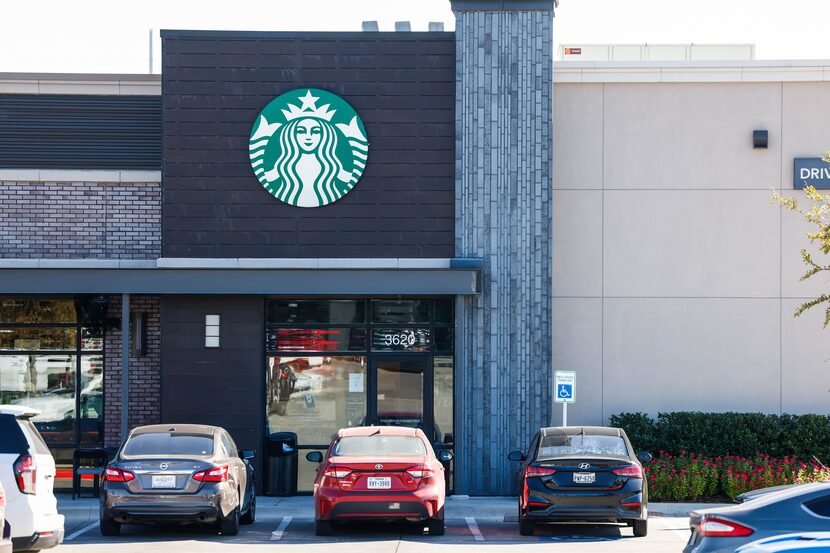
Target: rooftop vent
{"points": [[403, 26], [370, 26], [436, 26]]}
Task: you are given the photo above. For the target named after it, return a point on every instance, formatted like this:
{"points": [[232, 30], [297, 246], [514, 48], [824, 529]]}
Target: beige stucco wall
{"points": [[675, 279]]}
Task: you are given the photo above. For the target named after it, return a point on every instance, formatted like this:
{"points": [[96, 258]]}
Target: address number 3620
{"points": [[400, 339]]}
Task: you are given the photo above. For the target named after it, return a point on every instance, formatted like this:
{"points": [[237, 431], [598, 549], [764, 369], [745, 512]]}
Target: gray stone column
{"points": [[503, 214]]}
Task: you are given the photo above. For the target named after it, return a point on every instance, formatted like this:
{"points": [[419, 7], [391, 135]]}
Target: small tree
{"points": [[818, 214]]}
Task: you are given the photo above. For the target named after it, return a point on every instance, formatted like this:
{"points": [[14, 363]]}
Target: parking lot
{"points": [[479, 524]]}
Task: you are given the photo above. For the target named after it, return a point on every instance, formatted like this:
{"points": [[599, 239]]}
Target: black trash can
{"points": [[281, 448]]}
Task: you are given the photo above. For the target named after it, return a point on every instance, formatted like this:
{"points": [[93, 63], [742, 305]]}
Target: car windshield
{"points": [[582, 444], [169, 443], [379, 445]]}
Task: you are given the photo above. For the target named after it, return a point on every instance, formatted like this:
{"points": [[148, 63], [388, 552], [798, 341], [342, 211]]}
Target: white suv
{"points": [[5, 530], [27, 473]]}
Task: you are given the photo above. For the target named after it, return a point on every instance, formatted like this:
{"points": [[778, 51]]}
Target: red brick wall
{"points": [[80, 220], [145, 371]]}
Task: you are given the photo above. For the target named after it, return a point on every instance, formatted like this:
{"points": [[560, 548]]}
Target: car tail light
{"points": [[113, 474], [634, 471], [720, 528], [533, 470], [337, 472], [25, 473], [420, 471], [216, 474]]}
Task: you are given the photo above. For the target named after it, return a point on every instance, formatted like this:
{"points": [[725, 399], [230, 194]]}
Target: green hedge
{"points": [[714, 434]]}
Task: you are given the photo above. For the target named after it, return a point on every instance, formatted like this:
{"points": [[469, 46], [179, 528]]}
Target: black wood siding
{"points": [[221, 386], [401, 84], [43, 131]]}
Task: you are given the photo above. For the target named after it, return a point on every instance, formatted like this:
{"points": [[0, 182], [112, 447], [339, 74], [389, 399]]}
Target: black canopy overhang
{"points": [[106, 280]]}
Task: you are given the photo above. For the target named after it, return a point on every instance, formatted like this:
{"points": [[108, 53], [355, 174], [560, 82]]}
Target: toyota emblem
{"points": [[163, 466], [378, 466], [584, 466]]}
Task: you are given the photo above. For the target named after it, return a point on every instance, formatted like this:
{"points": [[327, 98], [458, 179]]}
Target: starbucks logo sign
{"points": [[308, 148]]}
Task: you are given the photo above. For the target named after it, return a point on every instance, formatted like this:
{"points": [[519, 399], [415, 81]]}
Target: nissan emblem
{"points": [[163, 466]]}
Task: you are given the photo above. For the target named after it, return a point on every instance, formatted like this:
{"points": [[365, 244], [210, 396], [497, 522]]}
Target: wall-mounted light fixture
{"points": [[211, 331], [139, 330], [760, 138]]}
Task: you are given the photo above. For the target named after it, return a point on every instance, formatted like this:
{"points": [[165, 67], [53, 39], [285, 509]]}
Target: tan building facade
{"points": [[675, 278]]}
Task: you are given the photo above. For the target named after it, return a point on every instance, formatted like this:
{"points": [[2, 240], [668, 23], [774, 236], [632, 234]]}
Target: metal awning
{"points": [[238, 276]]}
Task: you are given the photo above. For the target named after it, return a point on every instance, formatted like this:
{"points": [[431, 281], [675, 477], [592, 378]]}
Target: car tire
{"points": [[322, 527], [230, 526], [435, 525], [526, 527], [640, 528], [109, 527], [250, 515]]}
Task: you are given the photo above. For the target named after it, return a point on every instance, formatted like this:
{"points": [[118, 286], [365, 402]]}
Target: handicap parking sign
{"points": [[564, 390]]}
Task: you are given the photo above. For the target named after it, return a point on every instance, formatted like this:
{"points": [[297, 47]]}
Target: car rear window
{"points": [[33, 436], [169, 443], [554, 445], [379, 445], [11, 437]]}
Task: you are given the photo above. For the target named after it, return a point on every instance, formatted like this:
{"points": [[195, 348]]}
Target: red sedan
{"points": [[379, 473]]}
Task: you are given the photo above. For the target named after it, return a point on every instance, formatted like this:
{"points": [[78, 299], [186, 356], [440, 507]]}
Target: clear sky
{"points": [[111, 36]]}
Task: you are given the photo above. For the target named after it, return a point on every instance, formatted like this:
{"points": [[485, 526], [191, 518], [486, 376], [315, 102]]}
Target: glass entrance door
{"points": [[399, 393]]}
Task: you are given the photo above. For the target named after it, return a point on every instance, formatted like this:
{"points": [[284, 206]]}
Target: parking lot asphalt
{"points": [[477, 524]]}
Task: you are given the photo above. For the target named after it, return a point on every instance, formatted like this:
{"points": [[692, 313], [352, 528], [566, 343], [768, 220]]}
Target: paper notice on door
{"points": [[356, 382]]}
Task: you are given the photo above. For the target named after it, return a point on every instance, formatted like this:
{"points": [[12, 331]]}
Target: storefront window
{"points": [[316, 396], [337, 363], [400, 311], [316, 312], [45, 383], [37, 338], [443, 398], [42, 366]]}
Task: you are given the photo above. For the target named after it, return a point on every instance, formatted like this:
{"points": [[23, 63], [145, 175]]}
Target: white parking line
{"points": [[83, 530], [683, 535], [277, 534], [473, 526]]}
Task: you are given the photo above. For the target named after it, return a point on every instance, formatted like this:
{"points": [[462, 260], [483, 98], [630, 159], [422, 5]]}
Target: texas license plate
{"points": [[165, 481], [585, 477], [379, 482]]}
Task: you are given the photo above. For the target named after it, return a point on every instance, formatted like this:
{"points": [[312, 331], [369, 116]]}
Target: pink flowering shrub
{"points": [[692, 477]]}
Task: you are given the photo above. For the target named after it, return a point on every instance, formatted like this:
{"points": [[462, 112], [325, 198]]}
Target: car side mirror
{"points": [[445, 456], [247, 454], [516, 455], [644, 457], [314, 456], [448, 438]]}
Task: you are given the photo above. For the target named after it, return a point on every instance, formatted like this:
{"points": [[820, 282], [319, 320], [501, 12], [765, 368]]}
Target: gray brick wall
{"points": [[80, 220], [145, 370], [503, 214]]}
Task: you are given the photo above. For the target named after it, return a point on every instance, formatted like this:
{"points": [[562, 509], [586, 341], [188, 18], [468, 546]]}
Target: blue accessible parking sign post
{"points": [[564, 383]]}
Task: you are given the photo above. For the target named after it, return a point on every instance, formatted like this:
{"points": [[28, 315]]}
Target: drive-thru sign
{"points": [[564, 391]]}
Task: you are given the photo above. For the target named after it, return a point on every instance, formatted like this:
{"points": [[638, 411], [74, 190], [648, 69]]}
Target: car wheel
{"points": [[435, 525], [640, 528], [250, 515], [109, 527], [230, 526], [526, 527], [322, 527]]}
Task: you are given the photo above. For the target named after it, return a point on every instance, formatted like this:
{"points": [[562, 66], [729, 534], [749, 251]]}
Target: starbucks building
{"points": [[299, 232]]}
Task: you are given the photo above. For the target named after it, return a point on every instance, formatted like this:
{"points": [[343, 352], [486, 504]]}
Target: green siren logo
{"points": [[308, 148]]}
